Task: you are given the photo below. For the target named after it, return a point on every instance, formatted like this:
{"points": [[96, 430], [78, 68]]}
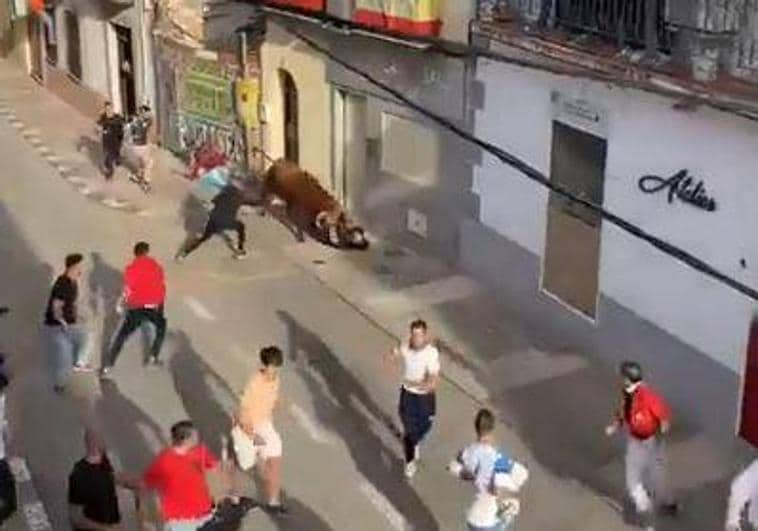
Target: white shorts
{"points": [[248, 453], [272, 442]]}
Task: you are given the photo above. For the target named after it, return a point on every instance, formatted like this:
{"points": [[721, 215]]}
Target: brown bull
{"points": [[306, 200]]}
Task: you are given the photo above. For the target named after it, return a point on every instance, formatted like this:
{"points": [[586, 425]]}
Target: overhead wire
{"points": [[533, 174]]}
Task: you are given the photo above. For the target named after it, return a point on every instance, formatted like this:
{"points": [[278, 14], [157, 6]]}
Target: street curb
{"points": [[31, 136]]}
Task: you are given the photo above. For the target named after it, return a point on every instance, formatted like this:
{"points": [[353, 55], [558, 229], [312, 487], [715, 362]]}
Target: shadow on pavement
{"points": [[209, 401], [92, 148], [378, 463]]}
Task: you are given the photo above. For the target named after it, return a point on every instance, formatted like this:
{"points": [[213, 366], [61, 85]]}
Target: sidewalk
{"points": [[555, 402]]}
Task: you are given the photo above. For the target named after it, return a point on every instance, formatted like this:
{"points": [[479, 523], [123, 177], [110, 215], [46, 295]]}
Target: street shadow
{"points": [[92, 148], [353, 418], [209, 401]]}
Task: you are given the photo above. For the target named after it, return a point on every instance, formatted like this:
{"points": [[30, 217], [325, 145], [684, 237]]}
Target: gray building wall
{"points": [[383, 199]]}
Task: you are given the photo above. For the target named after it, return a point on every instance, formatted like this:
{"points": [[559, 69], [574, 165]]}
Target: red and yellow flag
{"points": [[413, 17], [311, 5]]}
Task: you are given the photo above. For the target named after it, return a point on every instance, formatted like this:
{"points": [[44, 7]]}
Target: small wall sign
{"points": [[680, 185]]}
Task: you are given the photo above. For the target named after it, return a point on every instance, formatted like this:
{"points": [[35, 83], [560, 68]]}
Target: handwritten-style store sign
{"points": [[681, 186]]}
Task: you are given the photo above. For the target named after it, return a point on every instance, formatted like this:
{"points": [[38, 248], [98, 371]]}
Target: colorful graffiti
{"points": [[192, 131]]}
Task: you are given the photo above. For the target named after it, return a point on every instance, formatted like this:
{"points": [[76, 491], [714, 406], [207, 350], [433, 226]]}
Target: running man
{"points": [[144, 295], [418, 403], [178, 475], [69, 340], [140, 128], [255, 417], [743, 499], [492, 473], [223, 217], [647, 418], [111, 127]]}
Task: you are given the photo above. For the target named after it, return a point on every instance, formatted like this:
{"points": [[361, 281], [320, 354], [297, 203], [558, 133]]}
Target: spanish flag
{"points": [[310, 5], [412, 17]]}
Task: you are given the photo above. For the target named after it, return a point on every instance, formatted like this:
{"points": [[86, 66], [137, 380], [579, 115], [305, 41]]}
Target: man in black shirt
{"points": [[223, 217], [69, 340], [92, 499], [112, 131]]}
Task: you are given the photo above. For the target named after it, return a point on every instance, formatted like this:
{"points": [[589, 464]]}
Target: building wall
{"points": [[308, 69], [641, 289], [428, 172], [455, 19]]}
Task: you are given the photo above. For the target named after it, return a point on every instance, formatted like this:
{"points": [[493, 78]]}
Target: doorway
{"points": [[127, 92], [572, 242], [291, 118], [749, 416], [349, 144]]}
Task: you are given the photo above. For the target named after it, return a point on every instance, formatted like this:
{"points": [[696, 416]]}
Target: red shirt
{"points": [[143, 283], [180, 482], [648, 410]]}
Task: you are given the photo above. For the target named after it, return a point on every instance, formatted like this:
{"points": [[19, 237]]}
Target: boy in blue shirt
{"points": [[491, 472]]}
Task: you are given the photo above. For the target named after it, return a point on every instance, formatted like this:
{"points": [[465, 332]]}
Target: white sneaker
{"points": [[411, 469]]}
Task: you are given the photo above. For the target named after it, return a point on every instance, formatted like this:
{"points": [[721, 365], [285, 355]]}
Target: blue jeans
{"points": [[68, 345], [185, 525]]}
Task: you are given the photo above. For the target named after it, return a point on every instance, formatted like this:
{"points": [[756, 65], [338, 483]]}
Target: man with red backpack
{"points": [[647, 418]]}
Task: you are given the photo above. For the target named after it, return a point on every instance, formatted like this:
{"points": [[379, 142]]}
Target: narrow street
{"points": [[342, 466]]}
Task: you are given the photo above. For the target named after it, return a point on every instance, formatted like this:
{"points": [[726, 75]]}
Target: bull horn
{"points": [[320, 221]]}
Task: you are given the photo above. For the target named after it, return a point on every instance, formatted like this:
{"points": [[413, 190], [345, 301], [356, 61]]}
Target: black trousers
{"points": [[213, 227], [8, 499], [112, 158], [132, 321], [417, 414]]}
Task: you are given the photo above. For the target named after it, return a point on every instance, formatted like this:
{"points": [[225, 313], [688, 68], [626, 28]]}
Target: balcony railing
{"points": [[624, 21]]}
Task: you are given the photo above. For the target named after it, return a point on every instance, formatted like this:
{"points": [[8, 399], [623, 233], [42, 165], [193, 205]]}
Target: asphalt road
{"points": [[342, 461]]}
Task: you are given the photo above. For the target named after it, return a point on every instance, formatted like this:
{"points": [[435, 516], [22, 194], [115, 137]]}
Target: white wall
{"points": [[645, 136], [93, 45]]}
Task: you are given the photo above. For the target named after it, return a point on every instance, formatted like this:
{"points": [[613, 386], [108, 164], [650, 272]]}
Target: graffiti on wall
{"points": [[192, 131]]}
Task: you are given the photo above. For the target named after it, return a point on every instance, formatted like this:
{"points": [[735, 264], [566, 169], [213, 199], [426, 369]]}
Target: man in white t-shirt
{"points": [[421, 368]]}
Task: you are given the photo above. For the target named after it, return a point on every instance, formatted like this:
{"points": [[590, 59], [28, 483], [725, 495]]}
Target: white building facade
{"points": [[613, 292]]}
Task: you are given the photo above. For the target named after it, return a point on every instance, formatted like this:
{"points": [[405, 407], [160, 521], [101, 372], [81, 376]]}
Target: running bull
{"points": [[306, 201]]}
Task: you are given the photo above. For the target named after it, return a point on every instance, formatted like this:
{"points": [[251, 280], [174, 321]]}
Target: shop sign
{"points": [[680, 186]]}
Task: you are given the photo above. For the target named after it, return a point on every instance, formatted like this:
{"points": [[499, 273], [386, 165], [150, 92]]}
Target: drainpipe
{"points": [[147, 80]]}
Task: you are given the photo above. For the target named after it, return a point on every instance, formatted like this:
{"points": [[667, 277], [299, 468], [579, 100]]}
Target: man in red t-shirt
{"points": [[178, 476], [647, 418], [143, 298]]}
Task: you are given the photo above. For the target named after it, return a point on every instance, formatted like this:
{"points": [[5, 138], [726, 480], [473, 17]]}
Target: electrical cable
{"points": [[511, 160]]}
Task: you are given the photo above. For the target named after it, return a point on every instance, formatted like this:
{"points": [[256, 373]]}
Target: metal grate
{"points": [[620, 20]]}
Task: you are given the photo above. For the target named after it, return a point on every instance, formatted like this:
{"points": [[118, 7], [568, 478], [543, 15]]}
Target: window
{"points": [[73, 47], [410, 150]]}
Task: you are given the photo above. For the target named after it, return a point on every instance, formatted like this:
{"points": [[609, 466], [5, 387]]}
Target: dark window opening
{"points": [[73, 46], [621, 21]]}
